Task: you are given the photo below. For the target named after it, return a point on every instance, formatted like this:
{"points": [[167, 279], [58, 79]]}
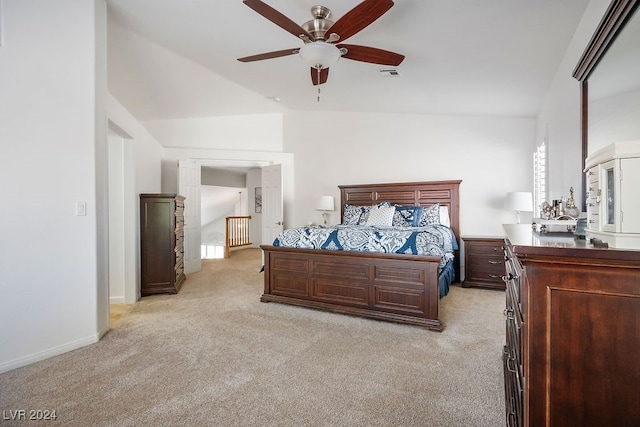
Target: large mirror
{"points": [[614, 91], [609, 72]]}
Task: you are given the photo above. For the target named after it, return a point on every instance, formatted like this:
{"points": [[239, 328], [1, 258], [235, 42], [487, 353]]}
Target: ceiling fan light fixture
{"points": [[319, 54]]}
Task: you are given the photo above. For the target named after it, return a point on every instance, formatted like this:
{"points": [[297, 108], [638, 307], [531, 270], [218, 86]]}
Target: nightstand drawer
{"points": [[485, 269], [484, 247]]}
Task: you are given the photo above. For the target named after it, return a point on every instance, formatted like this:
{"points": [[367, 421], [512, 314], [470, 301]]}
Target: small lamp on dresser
{"points": [[325, 204], [519, 201]]}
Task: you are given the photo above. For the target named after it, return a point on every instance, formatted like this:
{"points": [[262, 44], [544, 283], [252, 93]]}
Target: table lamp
{"points": [[325, 204], [519, 201]]}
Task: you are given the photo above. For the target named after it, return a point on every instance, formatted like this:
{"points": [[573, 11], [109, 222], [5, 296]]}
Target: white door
{"points": [[189, 187], [272, 218]]}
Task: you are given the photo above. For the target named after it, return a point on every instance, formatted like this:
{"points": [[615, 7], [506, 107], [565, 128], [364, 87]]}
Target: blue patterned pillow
{"points": [[430, 215], [364, 214], [407, 216], [352, 214]]}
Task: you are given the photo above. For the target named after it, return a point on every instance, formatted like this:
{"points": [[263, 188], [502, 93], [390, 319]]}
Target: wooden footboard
{"points": [[392, 287]]}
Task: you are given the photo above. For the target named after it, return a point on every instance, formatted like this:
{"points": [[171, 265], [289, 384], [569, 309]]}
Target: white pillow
{"points": [[381, 216], [444, 216]]}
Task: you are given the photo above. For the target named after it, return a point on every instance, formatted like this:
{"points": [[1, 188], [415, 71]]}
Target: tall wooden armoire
{"points": [[161, 243]]}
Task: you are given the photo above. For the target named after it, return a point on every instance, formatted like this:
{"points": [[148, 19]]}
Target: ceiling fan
{"points": [[323, 38]]}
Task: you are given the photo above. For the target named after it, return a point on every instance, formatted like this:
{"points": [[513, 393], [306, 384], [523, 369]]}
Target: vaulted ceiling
{"points": [[178, 58]]}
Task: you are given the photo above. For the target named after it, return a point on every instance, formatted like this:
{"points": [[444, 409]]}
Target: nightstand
{"points": [[483, 262]]}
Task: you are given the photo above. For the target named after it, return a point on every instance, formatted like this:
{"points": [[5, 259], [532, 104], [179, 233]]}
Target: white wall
{"points": [[54, 115], [148, 151], [48, 162], [257, 132], [101, 171], [491, 155], [559, 117]]}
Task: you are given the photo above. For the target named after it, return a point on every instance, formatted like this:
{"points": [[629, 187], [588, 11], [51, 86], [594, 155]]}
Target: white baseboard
{"points": [[116, 300], [53, 351], [103, 332]]}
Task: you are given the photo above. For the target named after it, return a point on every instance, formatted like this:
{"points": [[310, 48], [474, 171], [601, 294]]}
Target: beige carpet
{"points": [[214, 355]]}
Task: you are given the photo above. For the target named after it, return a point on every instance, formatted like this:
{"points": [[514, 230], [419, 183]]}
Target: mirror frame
{"points": [[614, 20]]}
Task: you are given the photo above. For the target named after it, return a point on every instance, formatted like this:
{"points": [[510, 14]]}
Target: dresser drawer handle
{"points": [[494, 276], [495, 262], [509, 277]]}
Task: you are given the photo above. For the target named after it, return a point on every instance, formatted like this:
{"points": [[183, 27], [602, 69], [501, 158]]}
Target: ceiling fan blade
{"points": [[319, 78], [277, 18], [269, 55], [371, 54], [359, 18]]}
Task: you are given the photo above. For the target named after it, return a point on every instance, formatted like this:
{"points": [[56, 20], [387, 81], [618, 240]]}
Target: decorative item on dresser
{"points": [[483, 262], [572, 332], [161, 243], [613, 206]]}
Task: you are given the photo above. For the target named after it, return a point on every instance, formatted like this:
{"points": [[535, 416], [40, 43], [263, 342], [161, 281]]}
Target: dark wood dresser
{"points": [[483, 262], [161, 243], [572, 332]]}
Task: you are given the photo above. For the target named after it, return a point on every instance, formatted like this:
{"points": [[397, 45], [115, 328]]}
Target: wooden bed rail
{"points": [[237, 233]]}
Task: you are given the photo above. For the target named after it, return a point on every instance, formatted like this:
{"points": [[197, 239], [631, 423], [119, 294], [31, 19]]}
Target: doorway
{"points": [[122, 217]]}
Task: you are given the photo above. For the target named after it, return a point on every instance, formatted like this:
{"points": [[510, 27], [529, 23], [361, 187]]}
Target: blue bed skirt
{"points": [[447, 275]]}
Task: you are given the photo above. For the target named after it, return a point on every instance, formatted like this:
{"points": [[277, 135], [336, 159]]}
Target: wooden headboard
{"points": [[447, 193], [406, 193]]}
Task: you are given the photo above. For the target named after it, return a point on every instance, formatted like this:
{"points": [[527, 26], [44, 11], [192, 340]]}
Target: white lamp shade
{"points": [[319, 54], [326, 203], [519, 201]]}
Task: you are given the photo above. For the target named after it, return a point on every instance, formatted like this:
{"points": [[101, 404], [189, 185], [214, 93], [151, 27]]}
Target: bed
{"points": [[397, 287]]}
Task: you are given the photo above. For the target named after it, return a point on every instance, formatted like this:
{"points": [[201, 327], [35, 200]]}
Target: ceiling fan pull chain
{"points": [[318, 84]]}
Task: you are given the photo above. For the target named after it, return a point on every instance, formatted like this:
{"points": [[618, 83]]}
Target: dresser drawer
{"points": [[513, 391], [484, 262]]}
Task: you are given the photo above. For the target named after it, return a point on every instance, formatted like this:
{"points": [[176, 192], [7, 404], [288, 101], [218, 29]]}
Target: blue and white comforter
{"points": [[433, 240]]}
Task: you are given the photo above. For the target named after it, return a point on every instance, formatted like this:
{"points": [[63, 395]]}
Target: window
{"points": [[539, 177]]}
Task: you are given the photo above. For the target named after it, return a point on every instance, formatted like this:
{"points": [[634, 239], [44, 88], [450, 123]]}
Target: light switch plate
{"points": [[81, 208]]}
